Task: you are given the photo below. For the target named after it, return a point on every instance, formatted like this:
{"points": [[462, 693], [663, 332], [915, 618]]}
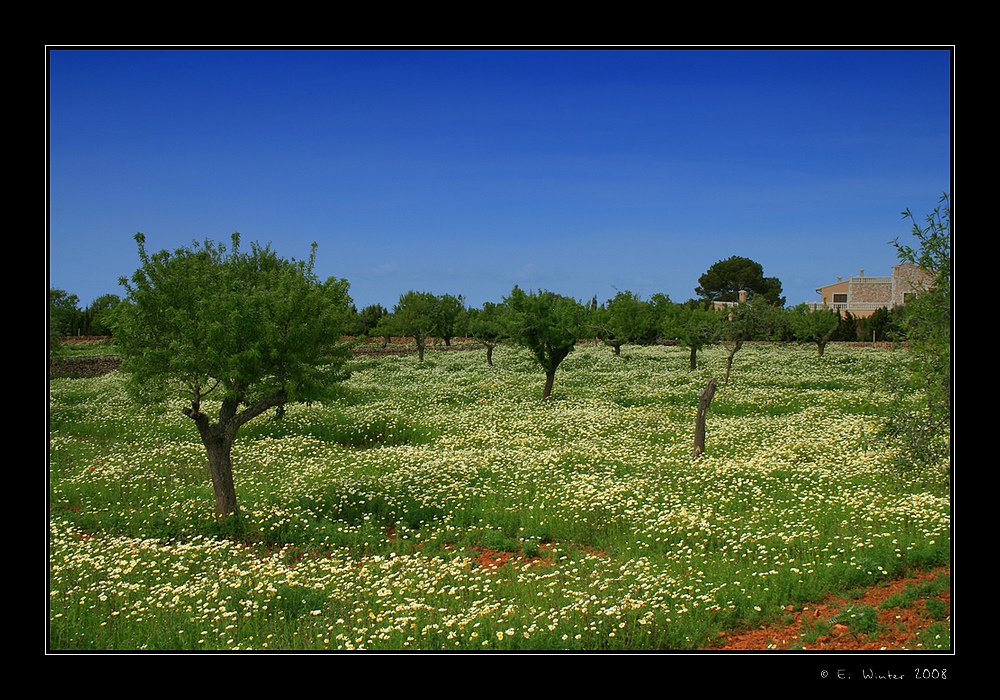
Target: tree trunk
{"points": [[729, 361], [693, 364], [420, 349], [550, 377], [618, 348], [704, 401], [218, 439], [489, 354], [220, 463]]}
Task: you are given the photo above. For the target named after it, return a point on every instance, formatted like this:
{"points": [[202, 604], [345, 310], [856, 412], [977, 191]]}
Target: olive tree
{"points": [[548, 324], [231, 332]]}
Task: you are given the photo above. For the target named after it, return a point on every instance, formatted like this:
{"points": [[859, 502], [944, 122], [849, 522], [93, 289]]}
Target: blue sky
{"points": [[469, 171]]}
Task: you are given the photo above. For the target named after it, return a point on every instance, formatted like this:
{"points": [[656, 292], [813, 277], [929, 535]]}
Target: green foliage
{"points": [[626, 319], [725, 279], [66, 318], [96, 320], [754, 320], [422, 315], [56, 345], [448, 312], [415, 316], [370, 317], [921, 427], [548, 324], [487, 324], [884, 325], [860, 619], [250, 330], [818, 327], [63, 313], [936, 636], [252, 324], [814, 629], [694, 327], [936, 608], [914, 592]]}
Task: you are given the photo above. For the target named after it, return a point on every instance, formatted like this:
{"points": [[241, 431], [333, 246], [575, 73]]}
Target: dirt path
{"points": [[817, 626]]}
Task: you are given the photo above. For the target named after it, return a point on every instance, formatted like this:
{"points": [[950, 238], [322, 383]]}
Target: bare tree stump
{"points": [[704, 401]]}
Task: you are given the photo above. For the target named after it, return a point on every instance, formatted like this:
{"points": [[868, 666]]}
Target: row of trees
{"points": [[628, 319], [66, 318], [252, 331], [621, 320]]}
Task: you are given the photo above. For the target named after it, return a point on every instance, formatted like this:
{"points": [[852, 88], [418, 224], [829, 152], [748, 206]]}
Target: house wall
{"points": [[909, 279], [870, 290], [867, 294], [828, 291]]}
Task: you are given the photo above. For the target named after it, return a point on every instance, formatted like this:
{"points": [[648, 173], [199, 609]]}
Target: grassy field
{"points": [[367, 521]]}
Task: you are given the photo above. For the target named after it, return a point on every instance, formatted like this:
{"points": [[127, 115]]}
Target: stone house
{"points": [[862, 296]]}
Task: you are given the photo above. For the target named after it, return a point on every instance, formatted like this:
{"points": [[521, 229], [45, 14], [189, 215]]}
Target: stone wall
{"points": [[83, 366]]}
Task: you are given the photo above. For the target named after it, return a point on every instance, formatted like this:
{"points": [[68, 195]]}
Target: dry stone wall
{"points": [[83, 366]]}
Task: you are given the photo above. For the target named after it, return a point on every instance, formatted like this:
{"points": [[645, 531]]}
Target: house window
{"points": [[839, 298]]}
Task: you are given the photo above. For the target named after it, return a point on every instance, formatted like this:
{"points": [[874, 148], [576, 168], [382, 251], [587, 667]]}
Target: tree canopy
{"points": [[487, 326], [414, 316], [746, 322], [694, 327], [924, 427], [725, 279], [448, 311], [626, 319], [548, 324], [819, 326], [239, 331]]}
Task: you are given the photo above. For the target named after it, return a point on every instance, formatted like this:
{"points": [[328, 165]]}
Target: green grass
{"points": [[860, 619], [97, 348], [361, 519], [915, 592]]}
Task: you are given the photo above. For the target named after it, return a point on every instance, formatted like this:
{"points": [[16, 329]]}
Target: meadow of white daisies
{"points": [[363, 519]]}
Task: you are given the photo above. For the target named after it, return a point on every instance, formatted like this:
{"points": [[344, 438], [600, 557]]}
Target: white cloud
{"points": [[526, 273]]}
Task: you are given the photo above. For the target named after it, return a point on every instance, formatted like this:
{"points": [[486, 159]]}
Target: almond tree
{"points": [[486, 325], [694, 327], [414, 316], [448, 312], [922, 419], [548, 324], [817, 327], [751, 320], [625, 319], [233, 333]]}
